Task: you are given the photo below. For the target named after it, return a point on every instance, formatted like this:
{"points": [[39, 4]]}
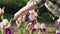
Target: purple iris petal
{"points": [[43, 30], [58, 23], [7, 31], [58, 33], [33, 22], [33, 30]]}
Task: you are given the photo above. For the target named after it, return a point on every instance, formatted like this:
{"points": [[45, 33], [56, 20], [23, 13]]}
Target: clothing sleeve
{"points": [[39, 2]]}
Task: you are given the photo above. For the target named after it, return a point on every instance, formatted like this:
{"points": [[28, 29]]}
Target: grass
{"points": [[0, 32]]}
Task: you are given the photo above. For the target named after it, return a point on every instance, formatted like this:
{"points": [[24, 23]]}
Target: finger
{"points": [[16, 16]]}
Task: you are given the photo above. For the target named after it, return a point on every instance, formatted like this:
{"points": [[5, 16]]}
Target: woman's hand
{"points": [[25, 9]]}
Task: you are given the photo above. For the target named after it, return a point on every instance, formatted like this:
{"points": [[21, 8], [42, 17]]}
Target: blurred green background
{"points": [[12, 6]]}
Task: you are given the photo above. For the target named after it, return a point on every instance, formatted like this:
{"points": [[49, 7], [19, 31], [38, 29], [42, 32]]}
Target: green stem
{"points": [[2, 16]]}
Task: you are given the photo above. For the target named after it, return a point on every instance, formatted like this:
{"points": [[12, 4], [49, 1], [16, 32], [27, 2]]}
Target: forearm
{"points": [[30, 6], [27, 8]]}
